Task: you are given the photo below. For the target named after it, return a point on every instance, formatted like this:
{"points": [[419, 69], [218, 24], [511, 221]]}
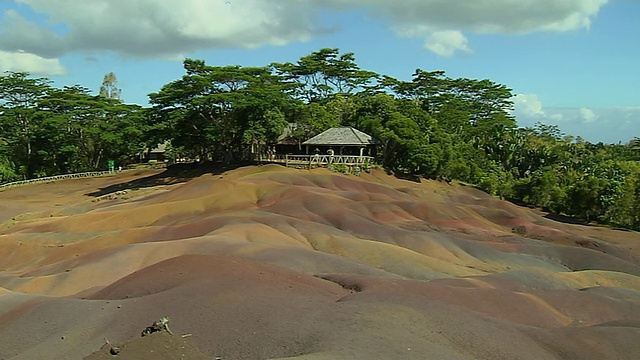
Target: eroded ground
{"points": [[268, 262]]}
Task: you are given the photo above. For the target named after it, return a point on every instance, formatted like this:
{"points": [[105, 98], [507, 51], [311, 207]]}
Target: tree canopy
{"points": [[430, 126], [47, 131]]}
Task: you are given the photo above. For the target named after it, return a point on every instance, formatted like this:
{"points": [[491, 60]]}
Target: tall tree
{"points": [[109, 88], [19, 98], [216, 111], [82, 132], [325, 73], [432, 126]]}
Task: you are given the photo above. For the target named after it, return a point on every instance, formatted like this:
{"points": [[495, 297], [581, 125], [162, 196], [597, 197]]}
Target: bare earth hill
{"points": [[266, 262]]}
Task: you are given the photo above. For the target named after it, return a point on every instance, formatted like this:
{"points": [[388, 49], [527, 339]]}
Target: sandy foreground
{"points": [[266, 262]]}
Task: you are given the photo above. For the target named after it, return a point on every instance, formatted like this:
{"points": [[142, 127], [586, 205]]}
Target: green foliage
{"points": [[48, 131], [263, 127], [217, 111], [432, 126], [541, 188], [341, 168], [7, 171], [325, 73], [21, 118]]}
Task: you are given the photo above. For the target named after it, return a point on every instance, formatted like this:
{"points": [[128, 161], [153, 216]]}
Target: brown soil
{"points": [[264, 262]]}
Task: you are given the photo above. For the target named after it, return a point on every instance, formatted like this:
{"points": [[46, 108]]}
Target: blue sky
{"points": [[570, 63]]}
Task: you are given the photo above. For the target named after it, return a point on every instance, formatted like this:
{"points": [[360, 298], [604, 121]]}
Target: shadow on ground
{"points": [[173, 174]]}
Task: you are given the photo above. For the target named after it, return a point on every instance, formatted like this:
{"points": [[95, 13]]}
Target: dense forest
{"points": [[432, 126]]}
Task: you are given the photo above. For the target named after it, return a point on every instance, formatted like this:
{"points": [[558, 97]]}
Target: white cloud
{"points": [[150, 28], [446, 43], [170, 28], [595, 125], [528, 105], [588, 115], [504, 16], [528, 109], [424, 18], [33, 64]]}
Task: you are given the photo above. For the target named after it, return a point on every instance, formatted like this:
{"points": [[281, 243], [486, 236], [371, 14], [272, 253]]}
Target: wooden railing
{"points": [[323, 160], [353, 163], [55, 178]]}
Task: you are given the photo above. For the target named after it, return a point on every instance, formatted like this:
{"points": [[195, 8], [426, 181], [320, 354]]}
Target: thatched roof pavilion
{"points": [[342, 137]]}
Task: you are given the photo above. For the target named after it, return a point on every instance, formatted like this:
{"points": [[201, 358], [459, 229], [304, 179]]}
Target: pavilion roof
{"points": [[343, 136]]}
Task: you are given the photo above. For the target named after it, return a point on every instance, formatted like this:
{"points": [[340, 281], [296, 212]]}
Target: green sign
{"points": [[112, 164]]}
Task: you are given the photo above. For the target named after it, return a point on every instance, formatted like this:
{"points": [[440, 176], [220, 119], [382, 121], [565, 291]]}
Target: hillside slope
{"points": [[267, 262]]}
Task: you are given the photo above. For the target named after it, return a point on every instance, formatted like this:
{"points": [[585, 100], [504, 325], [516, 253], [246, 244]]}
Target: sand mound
{"points": [[267, 262], [159, 346]]}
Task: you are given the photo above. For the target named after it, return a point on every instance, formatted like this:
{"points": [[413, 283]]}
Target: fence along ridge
{"points": [[55, 178]]}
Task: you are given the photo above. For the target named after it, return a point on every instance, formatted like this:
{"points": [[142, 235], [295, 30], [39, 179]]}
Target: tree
{"points": [[404, 132], [433, 126], [82, 131], [19, 98], [109, 88], [7, 168], [217, 111], [429, 88], [325, 73]]}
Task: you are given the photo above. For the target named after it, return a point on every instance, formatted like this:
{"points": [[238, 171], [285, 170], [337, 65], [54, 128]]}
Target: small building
{"points": [[343, 149], [155, 155], [290, 141], [343, 140]]}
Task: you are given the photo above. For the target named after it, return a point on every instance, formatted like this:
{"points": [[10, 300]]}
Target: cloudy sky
{"points": [[571, 63]]}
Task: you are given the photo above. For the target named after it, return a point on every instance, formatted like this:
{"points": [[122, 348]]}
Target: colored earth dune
{"points": [[266, 262]]}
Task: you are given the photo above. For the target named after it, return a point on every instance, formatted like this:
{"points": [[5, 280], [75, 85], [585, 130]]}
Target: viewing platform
{"points": [[353, 163]]}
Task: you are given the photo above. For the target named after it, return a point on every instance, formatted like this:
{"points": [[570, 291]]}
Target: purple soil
{"points": [[267, 263]]}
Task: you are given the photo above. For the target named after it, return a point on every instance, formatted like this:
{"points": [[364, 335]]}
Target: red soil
{"points": [[267, 262]]}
